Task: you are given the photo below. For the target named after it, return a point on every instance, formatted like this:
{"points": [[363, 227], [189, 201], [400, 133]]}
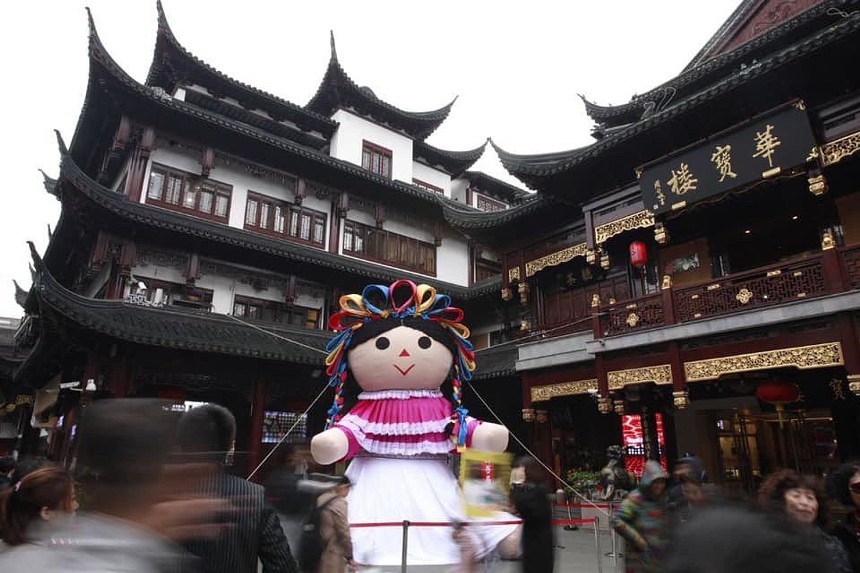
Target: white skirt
{"points": [[420, 490]]}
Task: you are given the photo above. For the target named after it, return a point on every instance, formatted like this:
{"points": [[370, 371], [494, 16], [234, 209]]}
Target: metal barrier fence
{"points": [[406, 525]]}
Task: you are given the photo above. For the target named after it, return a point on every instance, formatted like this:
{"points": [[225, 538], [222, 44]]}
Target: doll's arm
{"points": [[329, 446], [489, 437]]}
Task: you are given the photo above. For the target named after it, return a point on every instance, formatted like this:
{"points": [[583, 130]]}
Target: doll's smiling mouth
{"points": [[404, 372]]}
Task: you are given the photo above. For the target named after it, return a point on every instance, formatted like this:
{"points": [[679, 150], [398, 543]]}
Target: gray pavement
{"points": [[575, 553]]}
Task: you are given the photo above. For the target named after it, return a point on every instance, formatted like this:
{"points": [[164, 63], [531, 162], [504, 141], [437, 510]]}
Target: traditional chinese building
{"points": [[703, 298], [208, 230]]}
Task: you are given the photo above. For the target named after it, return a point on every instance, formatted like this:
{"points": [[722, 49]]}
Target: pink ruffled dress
{"points": [[399, 471]]}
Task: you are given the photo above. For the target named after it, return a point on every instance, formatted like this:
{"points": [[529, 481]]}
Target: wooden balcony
{"points": [[828, 272]]}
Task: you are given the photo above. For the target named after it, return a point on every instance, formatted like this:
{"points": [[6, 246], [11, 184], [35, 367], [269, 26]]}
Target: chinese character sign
{"points": [[729, 160]]}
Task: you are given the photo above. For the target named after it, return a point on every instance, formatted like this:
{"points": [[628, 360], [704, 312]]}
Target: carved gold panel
{"points": [[543, 393], [514, 274], [639, 220], [837, 150], [802, 357], [556, 258], [661, 374]]}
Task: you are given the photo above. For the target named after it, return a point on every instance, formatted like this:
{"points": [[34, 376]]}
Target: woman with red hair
{"points": [[39, 496]]}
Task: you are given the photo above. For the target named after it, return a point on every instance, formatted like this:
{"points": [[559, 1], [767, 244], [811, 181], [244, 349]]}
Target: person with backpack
{"points": [[326, 545]]}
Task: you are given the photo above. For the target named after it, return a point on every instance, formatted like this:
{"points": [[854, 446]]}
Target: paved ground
{"points": [[576, 552]]}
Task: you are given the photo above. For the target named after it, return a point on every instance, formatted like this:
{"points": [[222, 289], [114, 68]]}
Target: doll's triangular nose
{"points": [[404, 353]]}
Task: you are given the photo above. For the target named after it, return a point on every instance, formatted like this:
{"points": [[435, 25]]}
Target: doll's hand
{"points": [[489, 437], [329, 446]]}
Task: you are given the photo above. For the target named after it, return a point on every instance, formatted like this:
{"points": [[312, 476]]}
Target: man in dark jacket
{"points": [[207, 434]]}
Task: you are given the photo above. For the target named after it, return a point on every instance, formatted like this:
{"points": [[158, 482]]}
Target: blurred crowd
{"points": [[150, 493], [683, 524]]}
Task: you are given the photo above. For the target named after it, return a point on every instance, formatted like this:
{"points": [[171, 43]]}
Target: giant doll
{"points": [[398, 364]]}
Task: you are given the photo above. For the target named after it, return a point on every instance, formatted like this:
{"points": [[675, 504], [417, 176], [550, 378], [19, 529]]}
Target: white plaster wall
{"points": [[452, 260], [432, 176], [353, 131], [458, 190]]}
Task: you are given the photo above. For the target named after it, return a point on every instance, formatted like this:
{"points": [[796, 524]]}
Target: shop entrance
{"points": [[753, 444]]}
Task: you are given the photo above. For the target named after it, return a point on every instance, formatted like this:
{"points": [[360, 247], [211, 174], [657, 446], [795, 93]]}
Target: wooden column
{"points": [[834, 275], [258, 406], [137, 167], [120, 383]]}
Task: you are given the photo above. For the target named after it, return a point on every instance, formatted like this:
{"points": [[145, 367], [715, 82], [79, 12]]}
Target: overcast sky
{"points": [[517, 68]]}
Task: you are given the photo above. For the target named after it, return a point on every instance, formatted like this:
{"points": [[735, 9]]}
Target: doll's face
{"points": [[401, 359]]}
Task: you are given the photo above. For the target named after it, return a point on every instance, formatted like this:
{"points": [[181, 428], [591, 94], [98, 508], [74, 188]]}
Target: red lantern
{"points": [[779, 394], [638, 254]]}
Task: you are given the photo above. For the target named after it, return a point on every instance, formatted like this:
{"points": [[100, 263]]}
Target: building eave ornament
{"points": [[801, 357], [661, 374], [854, 384], [556, 258], [839, 149], [639, 220], [550, 391]]}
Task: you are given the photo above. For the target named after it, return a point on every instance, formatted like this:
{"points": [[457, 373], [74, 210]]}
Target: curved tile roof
{"points": [[188, 226], [702, 73], [170, 56], [337, 90], [533, 169], [453, 162]]}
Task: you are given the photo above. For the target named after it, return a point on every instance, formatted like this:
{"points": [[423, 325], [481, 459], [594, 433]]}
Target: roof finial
{"points": [[37, 260], [163, 25], [333, 49], [63, 149]]}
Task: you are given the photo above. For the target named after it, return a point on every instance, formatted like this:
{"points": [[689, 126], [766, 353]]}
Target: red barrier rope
{"points": [[449, 524]]}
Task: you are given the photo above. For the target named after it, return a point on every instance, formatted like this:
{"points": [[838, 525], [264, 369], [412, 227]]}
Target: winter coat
{"points": [[334, 530], [91, 543], [532, 503], [848, 532], [641, 521]]}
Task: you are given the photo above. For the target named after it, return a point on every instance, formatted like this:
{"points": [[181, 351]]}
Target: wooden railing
{"points": [[767, 286], [632, 315], [829, 272], [851, 266]]}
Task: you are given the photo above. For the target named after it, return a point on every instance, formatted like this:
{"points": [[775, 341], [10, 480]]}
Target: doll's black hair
{"points": [[374, 328]]}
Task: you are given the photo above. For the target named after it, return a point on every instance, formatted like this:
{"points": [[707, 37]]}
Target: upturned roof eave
{"points": [[338, 91], [167, 45]]}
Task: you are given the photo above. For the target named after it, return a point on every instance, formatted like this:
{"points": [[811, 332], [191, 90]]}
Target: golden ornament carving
{"points": [[799, 105], [661, 235], [837, 150], [681, 399], [814, 154], [638, 220], [619, 407], [827, 241], [524, 290], [817, 185], [507, 294], [541, 416], [528, 415], [632, 320], [604, 260], [854, 384], [744, 295], [556, 258], [667, 282], [801, 357], [595, 300], [591, 256], [514, 274], [604, 405], [661, 374], [550, 391]]}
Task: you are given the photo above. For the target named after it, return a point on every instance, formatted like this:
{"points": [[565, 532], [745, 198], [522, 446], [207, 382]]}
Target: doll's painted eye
{"points": [[425, 342], [382, 343]]}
